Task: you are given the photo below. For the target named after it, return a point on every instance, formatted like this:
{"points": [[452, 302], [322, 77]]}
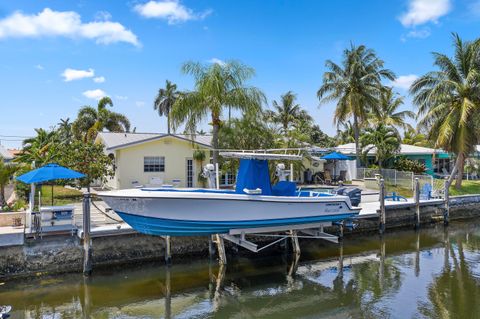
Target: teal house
{"points": [[437, 162]]}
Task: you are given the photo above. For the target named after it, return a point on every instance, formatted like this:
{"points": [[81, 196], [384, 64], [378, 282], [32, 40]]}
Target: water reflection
{"points": [[432, 273]]}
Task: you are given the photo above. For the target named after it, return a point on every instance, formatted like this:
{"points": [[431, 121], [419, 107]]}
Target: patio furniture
{"points": [[328, 178]]}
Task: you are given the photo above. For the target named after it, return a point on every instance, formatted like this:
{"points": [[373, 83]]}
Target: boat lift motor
{"points": [[281, 173], [210, 174]]}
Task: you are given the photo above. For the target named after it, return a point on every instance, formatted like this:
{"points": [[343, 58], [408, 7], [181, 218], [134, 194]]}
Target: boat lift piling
{"points": [[168, 250], [417, 203], [381, 224], [87, 242], [446, 213]]}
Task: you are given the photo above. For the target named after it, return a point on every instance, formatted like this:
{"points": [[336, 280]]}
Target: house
{"points": [[153, 159], [5, 154], [435, 160]]}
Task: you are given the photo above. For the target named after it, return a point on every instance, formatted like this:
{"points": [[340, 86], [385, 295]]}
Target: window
{"points": [[153, 164], [227, 179]]}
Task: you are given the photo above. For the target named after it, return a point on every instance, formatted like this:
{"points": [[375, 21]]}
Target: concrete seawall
{"points": [[65, 253]]}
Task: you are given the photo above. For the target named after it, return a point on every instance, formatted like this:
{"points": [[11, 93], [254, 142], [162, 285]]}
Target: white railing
{"points": [[394, 177]]}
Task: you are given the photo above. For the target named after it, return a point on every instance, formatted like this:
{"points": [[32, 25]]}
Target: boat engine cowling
{"points": [[210, 174], [281, 173]]}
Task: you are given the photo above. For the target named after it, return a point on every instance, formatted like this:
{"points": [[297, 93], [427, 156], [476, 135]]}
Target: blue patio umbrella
{"points": [[335, 156], [49, 172]]}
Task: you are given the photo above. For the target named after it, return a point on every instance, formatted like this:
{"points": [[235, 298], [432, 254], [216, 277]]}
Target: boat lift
{"points": [[279, 233]]}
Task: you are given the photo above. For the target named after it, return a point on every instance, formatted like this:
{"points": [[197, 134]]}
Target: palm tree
{"points": [[387, 111], [165, 99], [413, 137], [286, 112], [383, 139], [448, 101], [6, 173], [216, 87], [90, 121], [355, 85], [345, 133], [41, 149], [64, 131]]}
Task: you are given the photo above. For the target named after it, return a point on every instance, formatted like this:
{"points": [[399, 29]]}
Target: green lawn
{"points": [[61, 195], [468, 187]]}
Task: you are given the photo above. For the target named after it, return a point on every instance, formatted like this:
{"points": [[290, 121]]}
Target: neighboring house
{"points": [[435, 160], [5, 154], [153, 159]]}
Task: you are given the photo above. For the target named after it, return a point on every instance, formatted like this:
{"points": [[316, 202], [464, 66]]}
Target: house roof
{"points": [[5, 154], [121, 140], [405, 149]]}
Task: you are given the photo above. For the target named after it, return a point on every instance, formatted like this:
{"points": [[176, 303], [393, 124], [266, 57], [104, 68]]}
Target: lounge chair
{"points": [[343, 176]]}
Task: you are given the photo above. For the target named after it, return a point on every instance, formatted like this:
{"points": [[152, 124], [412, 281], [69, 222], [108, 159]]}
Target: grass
{"points": [[468, 187], [61, 195]]}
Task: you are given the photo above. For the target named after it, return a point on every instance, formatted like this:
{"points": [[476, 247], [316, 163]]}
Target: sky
{"points": [[56, 56]]}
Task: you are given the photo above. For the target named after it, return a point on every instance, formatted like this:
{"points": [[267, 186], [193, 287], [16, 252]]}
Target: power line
{"points": [[17, 136]]}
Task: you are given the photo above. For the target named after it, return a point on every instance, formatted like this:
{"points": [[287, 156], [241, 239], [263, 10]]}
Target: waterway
{"points": [[433, 273]]}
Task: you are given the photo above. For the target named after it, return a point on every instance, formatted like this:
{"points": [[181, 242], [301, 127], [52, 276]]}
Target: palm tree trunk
{"points": [[455, 170], [216, 127], [460, 168], [168, 123], [357, 138], [2, 196]]}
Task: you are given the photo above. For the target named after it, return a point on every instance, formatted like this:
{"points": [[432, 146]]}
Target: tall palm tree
{"points": [[387, 111], [64, 131], [165, 99], [287, 111], [355, 85], [217, 86], [383, 139], [448, 102], [90, 121]]}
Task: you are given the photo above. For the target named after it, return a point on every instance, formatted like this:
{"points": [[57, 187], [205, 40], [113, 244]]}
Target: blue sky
{"points": [[56, 56]]}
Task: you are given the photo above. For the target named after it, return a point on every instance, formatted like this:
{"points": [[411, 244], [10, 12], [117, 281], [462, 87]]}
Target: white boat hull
{"points": [[188, 213]]}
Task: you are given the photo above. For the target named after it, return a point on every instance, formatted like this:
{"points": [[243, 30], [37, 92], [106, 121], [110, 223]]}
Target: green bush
{"points": [[408, 165]]}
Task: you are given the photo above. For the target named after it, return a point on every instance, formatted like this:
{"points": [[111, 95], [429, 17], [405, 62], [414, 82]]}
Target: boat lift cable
{"points": [[105, 213]]}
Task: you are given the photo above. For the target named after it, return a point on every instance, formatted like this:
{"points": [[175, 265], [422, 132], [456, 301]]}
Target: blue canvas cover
{"points": [[253, 174], [284, 188]]}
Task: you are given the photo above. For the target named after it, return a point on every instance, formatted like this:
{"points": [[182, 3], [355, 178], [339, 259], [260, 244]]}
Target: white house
{"points": [[5, 154], [153, 159]]}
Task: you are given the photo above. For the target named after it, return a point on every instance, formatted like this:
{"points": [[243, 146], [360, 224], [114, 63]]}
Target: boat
{"points": [[254, 203]]}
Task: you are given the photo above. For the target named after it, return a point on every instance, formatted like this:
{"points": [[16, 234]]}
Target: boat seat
{"points": [[284, 188]]}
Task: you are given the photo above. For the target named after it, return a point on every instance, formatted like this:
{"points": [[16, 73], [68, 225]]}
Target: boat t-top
{"points": [[254, 203]]}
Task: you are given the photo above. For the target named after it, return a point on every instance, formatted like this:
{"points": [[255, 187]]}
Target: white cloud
{"points": [[94, 94], [404, 81], [139, 103], [170, 10], [66, 24], [72, 74], [99, 79], [419, 34], [121, 97], [39, 67], [423, 11], [216, 61]]}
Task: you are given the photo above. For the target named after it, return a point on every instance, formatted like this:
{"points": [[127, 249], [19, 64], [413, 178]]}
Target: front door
{"points": [[190, 172]]}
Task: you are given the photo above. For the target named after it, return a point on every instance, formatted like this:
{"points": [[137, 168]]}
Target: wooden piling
{"points": [[417, 202], [295, 243], [381, 225], [446, 213], [87, 242]]}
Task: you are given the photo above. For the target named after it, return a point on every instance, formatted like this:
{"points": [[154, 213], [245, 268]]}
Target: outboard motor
{"points": [[210, 175], [281, 173], [354, 193]]}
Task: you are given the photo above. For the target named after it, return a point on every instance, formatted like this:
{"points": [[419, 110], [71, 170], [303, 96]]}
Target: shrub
{"points": [[408, 165]]}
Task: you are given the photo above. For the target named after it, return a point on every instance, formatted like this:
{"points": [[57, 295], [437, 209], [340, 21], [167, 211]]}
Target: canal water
{"points": [[433, 273]]}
